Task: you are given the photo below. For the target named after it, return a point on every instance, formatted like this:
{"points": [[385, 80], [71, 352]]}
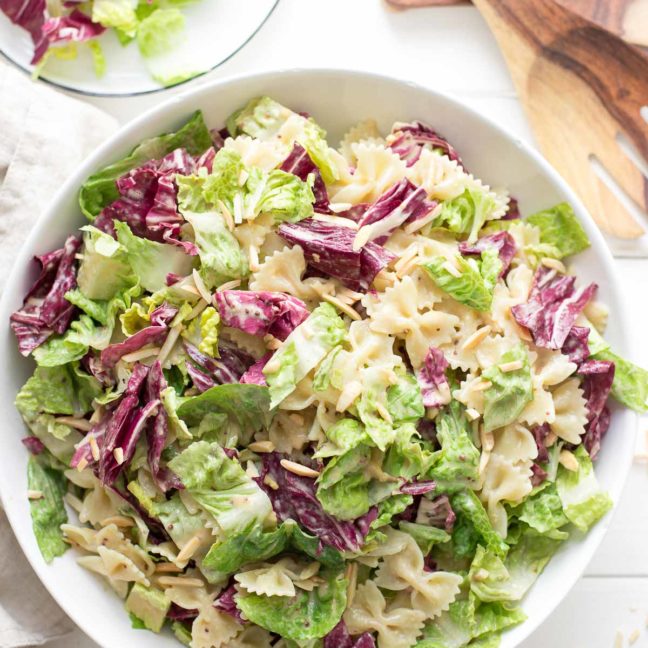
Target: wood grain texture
{"points": [[580, 86]]}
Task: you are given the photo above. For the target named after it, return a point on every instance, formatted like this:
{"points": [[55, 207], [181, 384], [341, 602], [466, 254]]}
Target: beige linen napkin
{"points": [[44, 135]]}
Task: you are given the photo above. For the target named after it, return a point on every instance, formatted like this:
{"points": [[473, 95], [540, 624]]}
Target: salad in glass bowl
{"points": [[311, 396]]}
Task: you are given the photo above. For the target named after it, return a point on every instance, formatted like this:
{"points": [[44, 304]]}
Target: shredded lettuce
{"points": [[630, 386], [560, 229]]}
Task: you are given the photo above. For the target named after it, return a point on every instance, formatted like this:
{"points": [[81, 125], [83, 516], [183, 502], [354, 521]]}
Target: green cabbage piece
{"points": [[221, 487], [473, 527], [99, 190], [456, 465], [476, 281], [302, 351], [630, 386], [583, 502], [510, 391], [300, 618], [48, 512], [467, 213], [560, 229], [262, 118], [221, 257]]}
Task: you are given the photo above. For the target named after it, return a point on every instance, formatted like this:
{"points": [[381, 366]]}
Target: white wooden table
{"points": [[451, 49]]}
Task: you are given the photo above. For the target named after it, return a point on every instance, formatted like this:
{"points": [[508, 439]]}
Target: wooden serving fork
{"points": [[581, 87]]}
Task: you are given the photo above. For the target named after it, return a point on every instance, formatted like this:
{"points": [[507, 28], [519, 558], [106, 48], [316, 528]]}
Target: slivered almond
{"points": [[336, 208], [420, 223], [382, 410], [189, 549], [554, 264], [167, 568], [336, 220], [118, 453], [550, 439], [548, 277], [487, 440], [405, 269], [34, 494], [140, 354], [77, 423], [351, 575], [261, 446], [272, 343], [299, 469], [238, 208], [171, 339], [410, 253], [94, 447], [227, 215], [270, 481], [568, 460], [472, 414], [514, 365], [74, 502], [81, 466], [362, 237], [345, 308], [476, 338], [229, 285], [118, 520], [273, 365], [633, 637], [200, 286], [179, 581], [197, 309], [253, 256], [350, 392], [451, 269], [481, 385]]}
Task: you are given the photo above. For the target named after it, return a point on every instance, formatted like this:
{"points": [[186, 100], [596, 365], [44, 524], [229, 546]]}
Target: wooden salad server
{"points": [[581, 86]]}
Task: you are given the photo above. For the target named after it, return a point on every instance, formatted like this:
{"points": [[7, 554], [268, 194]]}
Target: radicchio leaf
{"points": [[437, 513], [111, 355], [45, 309], [328, 250], [417, 487], [513, 210], [28, 14], [432, 376], [226, 603], [538, 475], [300, 164], [177, 613], [295, 499], [339, 637], [503, 242], [409, 139], [540, 433], [33, 444], [163, 314], [74, 28], [598, 376], [575, 346], [553, 306], [254, 375], [231, 364], [158, 431], [93, 365], [403, 203]]}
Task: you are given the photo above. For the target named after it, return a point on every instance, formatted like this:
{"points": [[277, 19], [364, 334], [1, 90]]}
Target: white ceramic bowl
{"points": [[337, 99]]}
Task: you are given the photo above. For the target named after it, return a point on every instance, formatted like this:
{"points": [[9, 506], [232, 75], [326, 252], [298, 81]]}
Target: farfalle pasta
{"points": [[300, 394]]}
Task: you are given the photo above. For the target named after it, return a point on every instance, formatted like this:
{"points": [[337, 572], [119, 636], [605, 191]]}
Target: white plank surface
{"points": [[451, 49]]}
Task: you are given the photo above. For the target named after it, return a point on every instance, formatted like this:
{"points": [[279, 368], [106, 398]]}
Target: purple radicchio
{"points": [[91, 362], [437, 513], [432, 378], [575, 346], [513, 210], [158, 431], [598, 376], [299, 163], [120, 429], [77, 28], [295, 499], [163, 314], [29, 14], [339, 637], [417, 487], [254, 375], [205, 372], [260, 313], [503, 242], [403, 203], [328, 249], [33, 444], [177, 613], [226, 603], [45, 309], [538, 475], [148, 199], [111, 355], [407, 140], [553, 306], [540, 434]]}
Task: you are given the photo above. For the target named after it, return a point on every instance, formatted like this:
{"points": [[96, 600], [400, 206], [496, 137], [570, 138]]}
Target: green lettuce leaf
{"points": [[203, 332], [48, 512], [119, 14], [404, 400], [221, 487], [100, 189], [510, 391], [221, 257], [344, 435], [151, 261], [408, 456], [300, 618], [302, 351], [583, 502], [543, 511], [426, 536], [560, 229], [262, 118], [475, 283], [630, 386], [324, 373], [159, 32], [282, 194], [473, 527], [456, 465], [382, 432]]}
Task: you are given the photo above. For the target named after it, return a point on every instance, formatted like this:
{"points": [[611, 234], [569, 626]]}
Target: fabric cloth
{"points": [[44, 135]]}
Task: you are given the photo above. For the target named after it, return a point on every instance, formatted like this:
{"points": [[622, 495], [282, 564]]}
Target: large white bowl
{"points": [[336, 99]]}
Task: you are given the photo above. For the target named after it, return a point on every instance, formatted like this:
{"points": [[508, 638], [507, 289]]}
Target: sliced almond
{"points": [[299, 469]]}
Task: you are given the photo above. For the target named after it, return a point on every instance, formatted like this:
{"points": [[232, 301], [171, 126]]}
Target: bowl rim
{"points": [[127, 134]]}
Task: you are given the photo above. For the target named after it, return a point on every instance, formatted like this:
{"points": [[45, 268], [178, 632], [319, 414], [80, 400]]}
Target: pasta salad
{"points": [[308, 396]]}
